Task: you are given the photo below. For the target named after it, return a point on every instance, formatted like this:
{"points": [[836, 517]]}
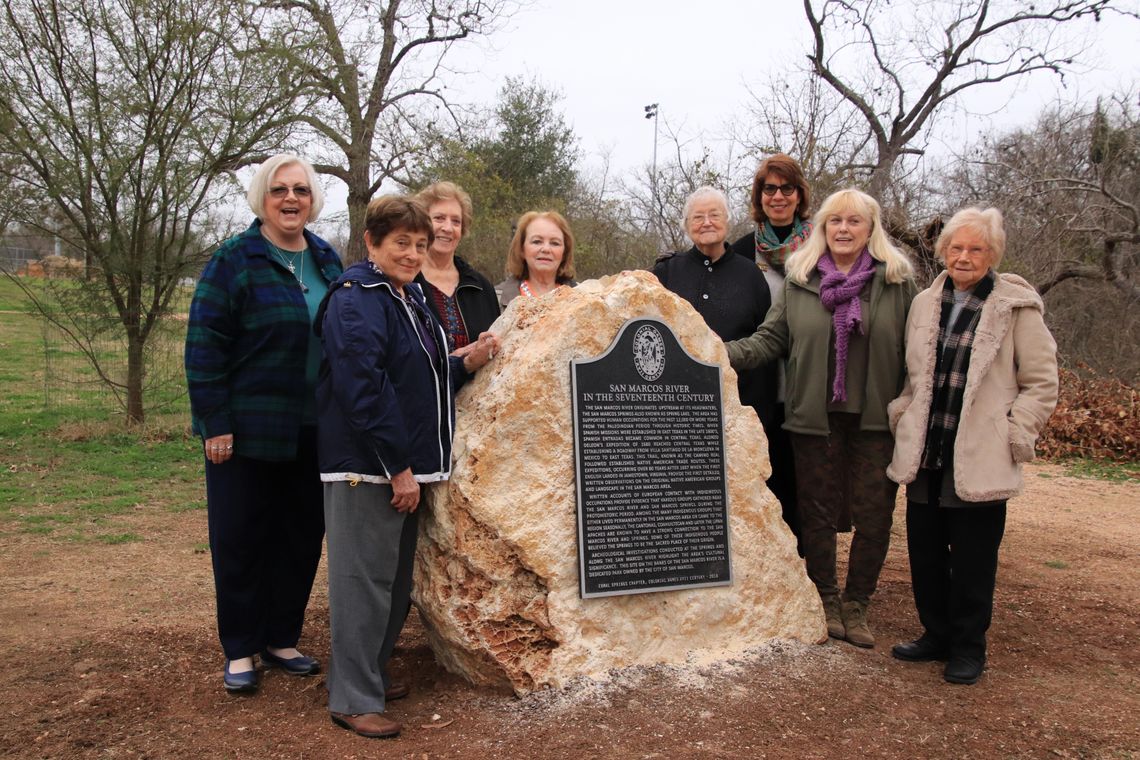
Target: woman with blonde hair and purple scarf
{"points": [[840, 322]]}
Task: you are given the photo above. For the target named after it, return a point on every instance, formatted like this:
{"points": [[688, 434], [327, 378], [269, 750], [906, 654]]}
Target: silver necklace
{"points": [[292, 263]]}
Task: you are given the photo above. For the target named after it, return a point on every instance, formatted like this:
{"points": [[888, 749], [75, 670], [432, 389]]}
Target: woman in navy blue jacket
{"points": [[386, 411]]}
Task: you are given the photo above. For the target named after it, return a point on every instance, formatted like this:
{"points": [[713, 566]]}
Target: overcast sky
{"points": [[612, 57], [609, 58]]}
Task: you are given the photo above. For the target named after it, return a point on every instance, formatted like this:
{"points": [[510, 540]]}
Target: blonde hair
{"points": [[801, 263], [259, 185], [449, 191], [516, 262], [986, 222]]}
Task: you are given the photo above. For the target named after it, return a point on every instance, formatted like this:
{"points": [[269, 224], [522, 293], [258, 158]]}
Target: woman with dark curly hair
{"points": [[781, 199]]}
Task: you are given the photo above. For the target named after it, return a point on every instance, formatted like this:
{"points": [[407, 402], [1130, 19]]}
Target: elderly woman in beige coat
{"points": [[981, 383]]}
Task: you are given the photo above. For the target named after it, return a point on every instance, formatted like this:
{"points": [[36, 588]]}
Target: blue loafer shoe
{"points": [[294, 666], [240, 683]]}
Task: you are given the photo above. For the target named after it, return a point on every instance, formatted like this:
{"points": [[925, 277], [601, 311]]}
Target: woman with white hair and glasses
{"points": [[840, 323], [251, 366], [981, 383], [728, 291]]}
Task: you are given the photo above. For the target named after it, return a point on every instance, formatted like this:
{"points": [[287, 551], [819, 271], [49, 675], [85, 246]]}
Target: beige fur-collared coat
{"points": [[1011, 389]]}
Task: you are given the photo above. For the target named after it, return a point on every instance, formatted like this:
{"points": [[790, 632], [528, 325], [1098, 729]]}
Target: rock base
{"points": [[497, 568]]}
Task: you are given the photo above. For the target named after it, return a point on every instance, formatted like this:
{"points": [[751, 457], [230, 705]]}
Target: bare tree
{"points": [[900, 69], [370, 69], [121, 119], [1074, 177], [1069, 186], [1107, 195], [657, 199], [606, 240], [800, 115]]}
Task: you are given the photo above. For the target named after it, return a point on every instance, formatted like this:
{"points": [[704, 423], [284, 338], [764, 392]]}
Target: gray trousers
{"points": [[371, 548]]}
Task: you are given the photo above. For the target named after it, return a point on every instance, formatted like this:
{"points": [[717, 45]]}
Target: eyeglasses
{"points": [[974, 252], [713, 217], [280, 191], [785, 189]]}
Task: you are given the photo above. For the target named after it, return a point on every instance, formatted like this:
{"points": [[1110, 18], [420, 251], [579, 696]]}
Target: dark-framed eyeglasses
{"points": [[281, 191], [786, 189]]}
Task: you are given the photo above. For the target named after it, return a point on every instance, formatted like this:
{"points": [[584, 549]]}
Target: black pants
{"points": [[953, 568], [266, 528], [782, 483]]}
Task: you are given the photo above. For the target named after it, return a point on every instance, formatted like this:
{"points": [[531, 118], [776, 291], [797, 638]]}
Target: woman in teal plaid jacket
{"points": [[251, 367]]}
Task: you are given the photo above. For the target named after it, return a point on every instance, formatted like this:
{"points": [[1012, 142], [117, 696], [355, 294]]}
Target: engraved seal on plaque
{"points": [[648, 353]]}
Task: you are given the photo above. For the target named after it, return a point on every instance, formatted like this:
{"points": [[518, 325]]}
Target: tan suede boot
{"points": [[834, 617], [855, 623]]}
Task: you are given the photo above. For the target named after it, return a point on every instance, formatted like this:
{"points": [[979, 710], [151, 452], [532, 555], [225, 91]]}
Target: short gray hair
{"points": [[986, 222], [700, 194], [259, 185]]}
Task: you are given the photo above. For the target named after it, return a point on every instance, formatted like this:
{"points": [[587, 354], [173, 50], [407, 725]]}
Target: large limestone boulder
{"points": [[496, 575]]}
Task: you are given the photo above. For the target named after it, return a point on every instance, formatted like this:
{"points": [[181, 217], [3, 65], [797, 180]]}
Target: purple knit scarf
{"points": [[839, 294]]}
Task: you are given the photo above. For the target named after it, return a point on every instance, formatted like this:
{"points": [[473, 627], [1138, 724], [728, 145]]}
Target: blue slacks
{"points": [[266, 529]]}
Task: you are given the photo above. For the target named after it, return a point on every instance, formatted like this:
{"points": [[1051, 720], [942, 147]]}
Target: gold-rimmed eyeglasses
{"points": [[281, 191]]}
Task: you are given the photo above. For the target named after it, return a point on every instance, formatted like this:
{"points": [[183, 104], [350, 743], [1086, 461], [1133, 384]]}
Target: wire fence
{"points": [[70, 377], [16, 259]]}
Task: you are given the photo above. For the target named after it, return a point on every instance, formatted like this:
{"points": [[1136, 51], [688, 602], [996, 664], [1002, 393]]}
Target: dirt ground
{"points": [[110, 651]]}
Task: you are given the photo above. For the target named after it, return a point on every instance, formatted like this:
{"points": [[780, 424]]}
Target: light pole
{"points": [[651, 113]]}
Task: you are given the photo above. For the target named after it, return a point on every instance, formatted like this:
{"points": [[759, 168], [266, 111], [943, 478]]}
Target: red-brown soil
{"points": [[110, 651]]}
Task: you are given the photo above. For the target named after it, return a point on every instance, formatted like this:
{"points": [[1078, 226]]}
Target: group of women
{"points": [[863, 383], [325, 398]]}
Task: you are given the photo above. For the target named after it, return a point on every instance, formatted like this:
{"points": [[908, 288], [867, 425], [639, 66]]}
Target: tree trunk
{"points": [[136, 373], [881, 174], [357, 209], [359, 195]]}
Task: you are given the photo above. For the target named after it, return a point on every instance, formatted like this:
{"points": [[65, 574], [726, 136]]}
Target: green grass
{"points": [[1102, 470], [72, 471], [12, 298], [1056, 564], [119, 538]]}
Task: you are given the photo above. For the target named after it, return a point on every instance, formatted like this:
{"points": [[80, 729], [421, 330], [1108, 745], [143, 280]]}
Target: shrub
{"points": [[1097, 418]]}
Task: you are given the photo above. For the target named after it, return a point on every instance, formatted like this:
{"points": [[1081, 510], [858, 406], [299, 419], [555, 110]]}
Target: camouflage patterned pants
{"points": [[847, 466]]}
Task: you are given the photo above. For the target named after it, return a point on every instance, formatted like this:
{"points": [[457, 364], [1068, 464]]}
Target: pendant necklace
{"points": [[291, 263]]}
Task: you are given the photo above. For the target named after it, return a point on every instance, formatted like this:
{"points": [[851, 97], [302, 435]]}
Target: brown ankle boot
{"points": [[834, 617], [855, 621]]}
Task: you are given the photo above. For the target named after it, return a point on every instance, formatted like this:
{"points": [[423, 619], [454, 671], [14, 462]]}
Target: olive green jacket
{"points": [[799, 327]]}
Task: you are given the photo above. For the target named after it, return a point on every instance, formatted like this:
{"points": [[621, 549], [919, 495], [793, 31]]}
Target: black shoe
{"points": [[964, 670], [294, 666], [922, 649], [239, 683]]}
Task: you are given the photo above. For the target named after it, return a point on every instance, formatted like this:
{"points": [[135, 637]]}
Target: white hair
{"points": [[986, 222], [700, 194], [259, 185]]}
